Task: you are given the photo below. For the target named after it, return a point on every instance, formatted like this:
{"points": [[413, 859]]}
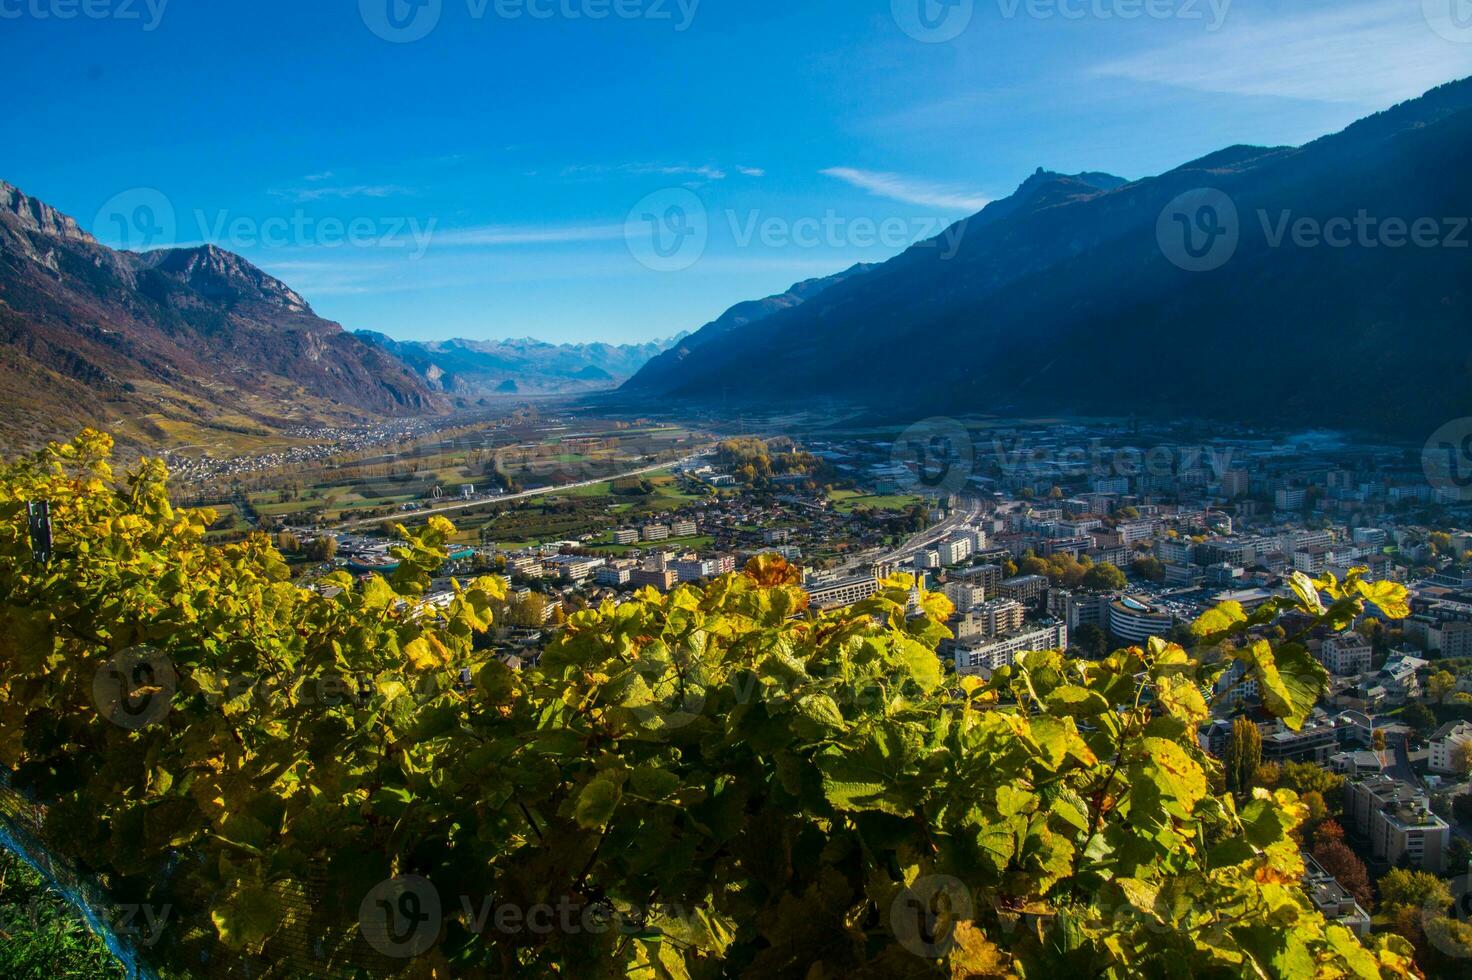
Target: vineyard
{"points": [[270, 781]]}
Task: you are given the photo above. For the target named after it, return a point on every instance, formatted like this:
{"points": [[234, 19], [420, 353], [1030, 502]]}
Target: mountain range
{"points": [[175, 346], [470, 370], [1082, 294]]}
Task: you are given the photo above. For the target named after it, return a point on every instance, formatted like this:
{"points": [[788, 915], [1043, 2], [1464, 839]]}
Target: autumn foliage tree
{"points": [[1337, 859], [720, 782]]}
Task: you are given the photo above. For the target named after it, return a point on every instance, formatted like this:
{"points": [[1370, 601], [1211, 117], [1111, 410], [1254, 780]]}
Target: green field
{"points": [[848, 501]]}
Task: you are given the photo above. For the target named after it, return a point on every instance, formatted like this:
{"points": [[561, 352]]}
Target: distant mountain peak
{"points": [[36, 215], [221, 275]]}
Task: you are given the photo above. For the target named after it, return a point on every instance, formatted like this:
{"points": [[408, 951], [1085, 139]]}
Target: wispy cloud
{"points": [[694, 171], [303, 195], [910, 190], [1370, 53], [500, 235]]}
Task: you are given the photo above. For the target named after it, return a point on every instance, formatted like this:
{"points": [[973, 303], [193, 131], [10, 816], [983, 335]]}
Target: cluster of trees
{"points": [[1074, 573], [756, 461], [716, 782], [321, 548]]}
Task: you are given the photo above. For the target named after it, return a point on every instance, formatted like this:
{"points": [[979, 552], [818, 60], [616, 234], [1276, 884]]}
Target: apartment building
{"points": [[981, 659], [1347, 655], [845, 592], [964, 594], [1396, 819], [1443, 745]]}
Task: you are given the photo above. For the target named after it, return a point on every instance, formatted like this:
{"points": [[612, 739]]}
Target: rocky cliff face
{"points": [[176, 342]]}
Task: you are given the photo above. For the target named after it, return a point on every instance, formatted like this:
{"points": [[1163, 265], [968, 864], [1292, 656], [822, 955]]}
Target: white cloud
{"points": [[1371, 53], [910, 190], [499, 235], [344, 192]]}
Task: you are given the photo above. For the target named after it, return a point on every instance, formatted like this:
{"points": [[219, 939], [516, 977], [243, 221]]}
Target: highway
{"points": [[510, 498], [969, 511]]}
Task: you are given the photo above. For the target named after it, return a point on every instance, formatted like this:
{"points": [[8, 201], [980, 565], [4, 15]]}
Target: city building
{"points": [[1395, 818], [1443, 745], [1136, 620], [1347, 655], [981, 659], [1026, 589], [845, 592]]}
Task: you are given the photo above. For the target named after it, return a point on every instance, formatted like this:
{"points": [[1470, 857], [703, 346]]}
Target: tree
{"points": [[1329, 832], [1462, 807], [1461, 759], [716, 782], [1244, 756], [1091, 641], [1439, 685], [1377, 740], [322, 548], [1404, 888], [1419, 717], [1337, 859], [1149, 568], [288, 543], [1104, 577], [1306, 777]]}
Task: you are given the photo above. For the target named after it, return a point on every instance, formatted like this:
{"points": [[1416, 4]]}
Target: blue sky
{"points": [[509, 173]]}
